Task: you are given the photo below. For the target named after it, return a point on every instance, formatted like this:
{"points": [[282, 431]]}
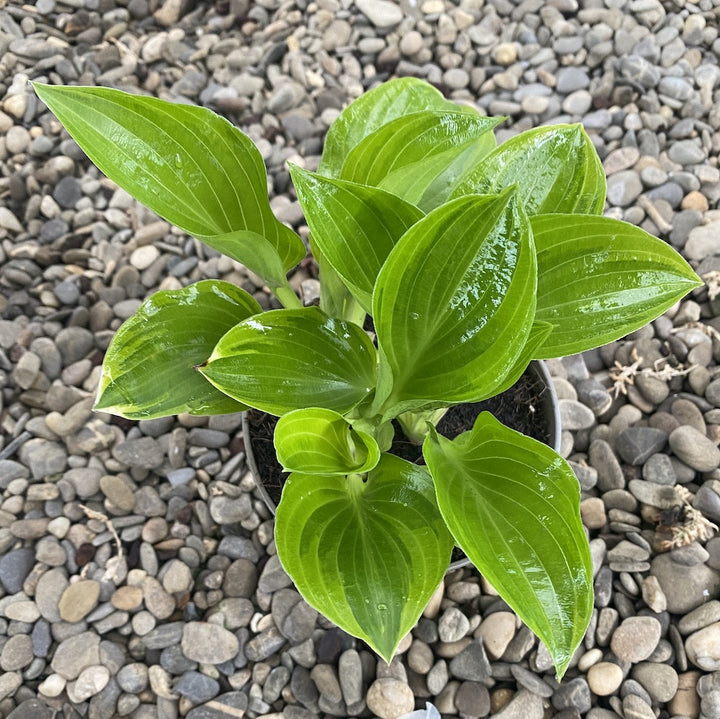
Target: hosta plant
{"points": [[472, 259]]}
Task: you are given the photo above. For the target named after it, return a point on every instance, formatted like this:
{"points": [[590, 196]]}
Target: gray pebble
{"points": [[471, 664], [67, 192], [636, 638], [571, 79], [31, 709], [197, 687], [702, 616], [133, 678], [74, 343], [686, 152], [603, 460], [44, 459], [163, 636], [453, 625], [636, 444], [575, 415], [17, 653], [264, 644], [14, 567], [524, 705], [685, 587], [690, 554], [208, 643], [143, 452], [75, 654], [623, 188], [707, 500], [659, 469], [227, 510], [381, 13], [695, 449]]}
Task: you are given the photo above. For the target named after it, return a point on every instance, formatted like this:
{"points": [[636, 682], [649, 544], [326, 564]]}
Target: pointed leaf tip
{"points": [[512, 505]]}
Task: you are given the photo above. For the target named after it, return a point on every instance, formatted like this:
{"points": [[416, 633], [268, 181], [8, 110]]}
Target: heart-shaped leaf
{"points": [[384, 103], [403, 154], [555, 168], [457, 286], [367, 554], [354, 226], [282, 360], [184, 162], [148, 369], [513, 506], [600, 278], [320, 441]]}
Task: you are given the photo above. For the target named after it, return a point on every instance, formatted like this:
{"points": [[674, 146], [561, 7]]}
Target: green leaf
{"points": [[354, 226], [513, 506], [148, 369], [336, 299], [458, 285], [184, 162], [282, 360], [258, 254], [402, 155], [368, 555], [447, 169], [539, 332], [555, 168], [600, 278], [371, 111], [320, 441]]}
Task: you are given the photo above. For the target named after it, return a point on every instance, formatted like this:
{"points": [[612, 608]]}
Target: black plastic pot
{"points": [[550, 405]]}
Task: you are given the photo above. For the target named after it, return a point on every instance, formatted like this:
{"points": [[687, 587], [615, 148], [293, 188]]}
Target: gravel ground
{"points": [[138, 577]]}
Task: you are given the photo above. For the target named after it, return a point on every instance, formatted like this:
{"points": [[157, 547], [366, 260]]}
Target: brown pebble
{"points": [[686, 701], [127, 598], [695, 200], [78, 600], [500, 698], [592, 511]]}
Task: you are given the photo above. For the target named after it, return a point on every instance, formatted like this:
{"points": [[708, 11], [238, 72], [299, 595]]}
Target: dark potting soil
{"points": [[521, 408]]}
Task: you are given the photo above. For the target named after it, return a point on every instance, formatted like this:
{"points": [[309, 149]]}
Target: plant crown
{"points": [[472, 259]]}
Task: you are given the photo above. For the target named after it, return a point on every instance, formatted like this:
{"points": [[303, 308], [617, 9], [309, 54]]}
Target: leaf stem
{"points": [[288, 298]]}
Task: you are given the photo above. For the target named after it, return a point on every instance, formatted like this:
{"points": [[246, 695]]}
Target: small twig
{"points": [[94, 514], [654, 214], [623, 376]]}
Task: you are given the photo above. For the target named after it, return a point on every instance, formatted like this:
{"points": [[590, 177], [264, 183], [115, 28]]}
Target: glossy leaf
{"points": [[555, 168], [258, 255], [384, 103], [149, 368], [368, 555], [402, 156], [320, 441], [336, 299], [600, 278], [430, 182], [184, 162], [539, 332], [354, 226], [283, 360], [513, 506], [459, 285]]}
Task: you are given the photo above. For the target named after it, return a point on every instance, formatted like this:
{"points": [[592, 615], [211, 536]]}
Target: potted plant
{"points": [[471, 259]]}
